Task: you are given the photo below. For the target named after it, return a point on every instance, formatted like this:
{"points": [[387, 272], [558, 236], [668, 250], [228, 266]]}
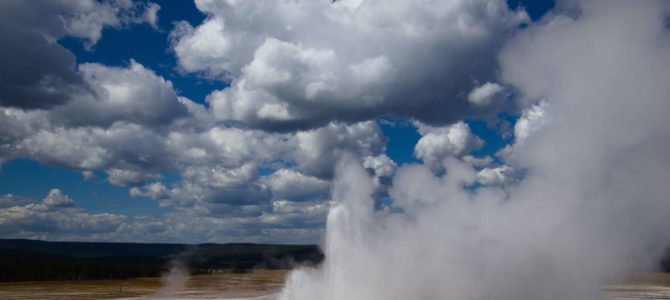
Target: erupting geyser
{"points": [[590, 200]]}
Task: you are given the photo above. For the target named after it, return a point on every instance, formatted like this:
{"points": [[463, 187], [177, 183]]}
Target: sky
{"points": [[222, 121]]}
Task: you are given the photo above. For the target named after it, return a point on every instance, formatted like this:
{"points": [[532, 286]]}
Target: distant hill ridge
{"points": [[108, 260]]}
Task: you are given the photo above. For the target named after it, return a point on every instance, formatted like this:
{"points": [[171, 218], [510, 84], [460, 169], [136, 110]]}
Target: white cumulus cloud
{"points": [[302, 64]]}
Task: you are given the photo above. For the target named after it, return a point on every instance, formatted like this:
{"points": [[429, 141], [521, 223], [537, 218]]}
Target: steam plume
{"points": [[592, 204], [174, 281]]}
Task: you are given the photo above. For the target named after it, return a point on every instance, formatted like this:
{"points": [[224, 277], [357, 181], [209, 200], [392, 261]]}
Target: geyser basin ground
{"points": [[259, 285], [218, 286]]}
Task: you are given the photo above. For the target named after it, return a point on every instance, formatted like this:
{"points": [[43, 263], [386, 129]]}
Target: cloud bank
{"points": [[302, 64], [37, 71]]}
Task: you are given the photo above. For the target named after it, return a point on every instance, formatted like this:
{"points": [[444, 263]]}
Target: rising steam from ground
{"points": [[591, 202], [173, 281]]}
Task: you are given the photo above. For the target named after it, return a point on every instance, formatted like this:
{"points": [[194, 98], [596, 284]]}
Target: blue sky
{"points": [[161, 53], [476, 129]]}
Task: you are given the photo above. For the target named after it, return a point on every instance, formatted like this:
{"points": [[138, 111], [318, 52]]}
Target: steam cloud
{"points": [[173, 282], [591, 201]]}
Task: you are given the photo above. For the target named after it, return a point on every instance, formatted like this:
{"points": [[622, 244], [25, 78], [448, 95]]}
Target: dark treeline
{"points": [[30, 260], [23, 269], [665, 262]]}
